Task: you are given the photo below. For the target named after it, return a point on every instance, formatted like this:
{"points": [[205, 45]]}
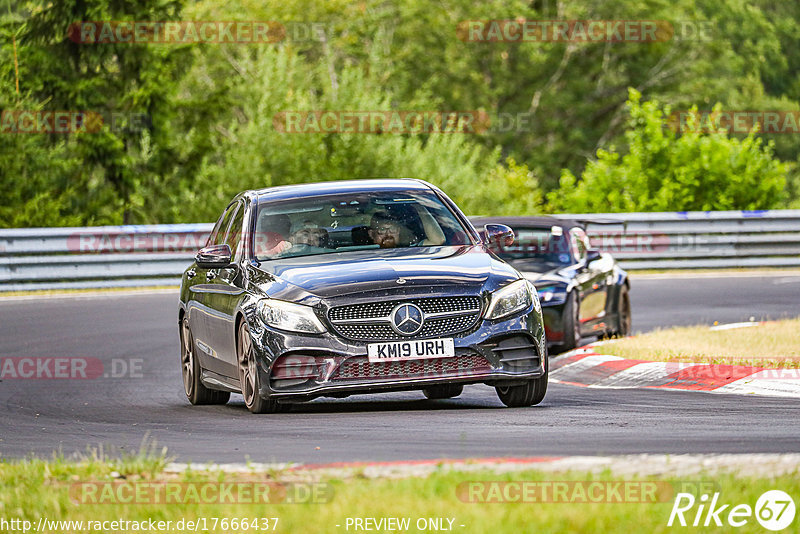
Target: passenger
{"points": [[272, 236], [312, 236]]}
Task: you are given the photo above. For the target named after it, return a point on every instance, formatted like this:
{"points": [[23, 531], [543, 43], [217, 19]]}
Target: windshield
{"points": [[354, 221], [545, 246]]}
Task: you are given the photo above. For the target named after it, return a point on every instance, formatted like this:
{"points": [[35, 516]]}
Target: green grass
{"points": [[773, 344], [83, 291], [32, 488]]}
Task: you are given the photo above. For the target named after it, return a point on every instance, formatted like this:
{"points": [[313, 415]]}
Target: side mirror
{"points": [[592, 255], [214, 257], [499, 234]]}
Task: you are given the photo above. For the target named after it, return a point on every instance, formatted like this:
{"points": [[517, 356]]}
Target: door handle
{"points": [[191, 273]]}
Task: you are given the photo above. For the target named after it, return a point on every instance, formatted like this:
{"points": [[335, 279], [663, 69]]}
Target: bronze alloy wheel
{"points": [[248, 374], [195, 390], [249, 377], [187, 358]]}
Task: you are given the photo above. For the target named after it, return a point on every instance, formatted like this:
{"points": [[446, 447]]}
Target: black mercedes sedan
{"points": [[350, 287], [583, 292]]}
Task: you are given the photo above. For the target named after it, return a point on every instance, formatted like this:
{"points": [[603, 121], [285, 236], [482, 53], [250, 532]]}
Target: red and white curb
{"points": [[584, 367], [758, 465]]}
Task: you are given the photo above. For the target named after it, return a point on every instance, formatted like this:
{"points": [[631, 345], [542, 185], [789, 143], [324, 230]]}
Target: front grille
{"points": [[382, 309], [360, 368], [433, 327], [371, 320]]}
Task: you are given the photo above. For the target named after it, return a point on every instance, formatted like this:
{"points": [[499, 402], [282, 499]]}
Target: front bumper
{"points": [[503, 352]]}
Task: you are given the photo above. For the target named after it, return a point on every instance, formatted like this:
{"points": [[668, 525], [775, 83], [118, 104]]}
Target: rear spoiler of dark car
{"points": [[588, 221]]}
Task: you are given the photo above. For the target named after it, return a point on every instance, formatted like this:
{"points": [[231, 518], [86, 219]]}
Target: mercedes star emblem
{"points": [[407, 319]]}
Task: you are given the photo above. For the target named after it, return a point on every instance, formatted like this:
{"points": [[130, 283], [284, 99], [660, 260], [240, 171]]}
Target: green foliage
{"points": [[665, 171], [211, 107], [247, 150], [508, 189]]}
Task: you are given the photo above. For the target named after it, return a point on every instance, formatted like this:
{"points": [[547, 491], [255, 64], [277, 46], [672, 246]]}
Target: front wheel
{"points": [[250, 378], [624, 313], [196, 392], [529, 394], [446, 391], [571, 324]]}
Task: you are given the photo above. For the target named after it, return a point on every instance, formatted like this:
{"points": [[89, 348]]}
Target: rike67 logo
{"points": [[774, 510]]}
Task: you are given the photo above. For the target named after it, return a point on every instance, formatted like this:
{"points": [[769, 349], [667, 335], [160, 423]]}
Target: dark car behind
{"points": [[583, 292]]}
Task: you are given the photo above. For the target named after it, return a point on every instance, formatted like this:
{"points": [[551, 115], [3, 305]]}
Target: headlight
{"points": [[288, 316], [552, 296], [515, 297]]}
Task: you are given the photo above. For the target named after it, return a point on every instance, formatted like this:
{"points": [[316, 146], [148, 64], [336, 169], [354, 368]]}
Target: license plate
{"points": [[411, 350]]}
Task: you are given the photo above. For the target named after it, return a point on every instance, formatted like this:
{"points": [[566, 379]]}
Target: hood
{"points": [[543, 273], [419, 270]]}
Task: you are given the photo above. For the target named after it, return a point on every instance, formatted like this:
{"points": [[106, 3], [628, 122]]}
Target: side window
{"points": [[215, 230], [222, 232], [218, 227], [234, 236], [578, 243]]}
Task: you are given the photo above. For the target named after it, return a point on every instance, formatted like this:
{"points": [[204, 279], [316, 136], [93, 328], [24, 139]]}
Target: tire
{"points": [[196, 391], [250, 378], [571, 324], [528, 394], [623, 313], [445, 391]]}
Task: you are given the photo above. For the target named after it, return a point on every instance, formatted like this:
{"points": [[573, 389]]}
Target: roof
{"points": [[343, 186], [527, 222]]}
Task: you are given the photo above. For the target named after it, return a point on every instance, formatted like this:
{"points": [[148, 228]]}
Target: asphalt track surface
{"points": [[42, 416]]}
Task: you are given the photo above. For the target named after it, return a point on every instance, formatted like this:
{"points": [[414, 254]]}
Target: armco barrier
{"points": [[697, 239], [119, 256]]}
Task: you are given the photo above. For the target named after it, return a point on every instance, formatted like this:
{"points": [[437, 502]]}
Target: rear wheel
{"points": [[528, 394], [445, 391], [196, 392], [249, 377]]}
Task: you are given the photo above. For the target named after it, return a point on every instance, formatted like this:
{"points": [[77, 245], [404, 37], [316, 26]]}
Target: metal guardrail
{"points": [[700, 240], [148, 255], [97, 257]]}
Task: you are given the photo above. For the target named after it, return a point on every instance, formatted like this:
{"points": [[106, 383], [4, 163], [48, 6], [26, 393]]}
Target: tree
{"points": [[107, 174]]}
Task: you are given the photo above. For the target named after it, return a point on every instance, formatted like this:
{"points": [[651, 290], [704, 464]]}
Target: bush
{"points": [[668, 171]]}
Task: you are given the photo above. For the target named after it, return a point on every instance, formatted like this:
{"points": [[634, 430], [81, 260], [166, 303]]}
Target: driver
{"points": [[387, 232]]}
